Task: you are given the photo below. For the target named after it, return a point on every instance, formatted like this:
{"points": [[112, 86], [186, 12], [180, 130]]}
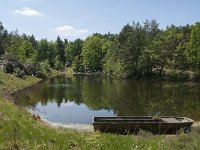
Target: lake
{"points": [[77, 99]]}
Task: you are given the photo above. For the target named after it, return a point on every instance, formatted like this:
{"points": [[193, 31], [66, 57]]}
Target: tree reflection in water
{"points": [[123, 97]]}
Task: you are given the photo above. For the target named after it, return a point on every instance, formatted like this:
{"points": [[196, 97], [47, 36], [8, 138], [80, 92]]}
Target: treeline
{"points": [[139, 50]]}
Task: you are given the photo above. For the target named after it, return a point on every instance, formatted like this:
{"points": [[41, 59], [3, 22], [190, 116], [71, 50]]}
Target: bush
{"points": [[77, 65], [8, 68], [14, 67], [31, 69], [19, 73], [41, 75], [44, 67], [58, 64]]}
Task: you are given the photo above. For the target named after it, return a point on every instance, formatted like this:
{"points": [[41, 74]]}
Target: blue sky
{"points": [[79, 18]]}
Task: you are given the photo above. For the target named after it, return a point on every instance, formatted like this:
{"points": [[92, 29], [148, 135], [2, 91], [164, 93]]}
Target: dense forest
{"points": [[138, 51]]}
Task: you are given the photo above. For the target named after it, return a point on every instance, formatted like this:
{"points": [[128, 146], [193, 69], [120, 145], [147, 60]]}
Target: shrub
{"points": [[19, 73], [58, 64], [44, 67]]}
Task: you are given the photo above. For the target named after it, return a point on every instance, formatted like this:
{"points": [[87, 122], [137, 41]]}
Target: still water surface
{"points": [[79, 98]]}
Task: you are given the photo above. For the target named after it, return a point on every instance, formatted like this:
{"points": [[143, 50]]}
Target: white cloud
{"points": [[70, 31], [27, 11]]}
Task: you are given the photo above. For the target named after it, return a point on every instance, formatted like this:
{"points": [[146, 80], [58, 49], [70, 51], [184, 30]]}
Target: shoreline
{"points": [[33, 133], [163, 78], [71, 126]]}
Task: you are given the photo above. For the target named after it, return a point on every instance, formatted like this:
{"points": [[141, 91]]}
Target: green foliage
{"points": [[93, 54], [26, 51], [13, 44], [130, 52], [113, 66], [42, 50], [193, 51], [145, 50], [44, 67], [58, 64], [138, 51], [60, 50], [78, 64], [2, 40], [72, 50], [33, 59]]}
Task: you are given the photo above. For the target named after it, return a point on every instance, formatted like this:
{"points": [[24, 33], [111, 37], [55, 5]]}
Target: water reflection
{"points": [[77, 99]]}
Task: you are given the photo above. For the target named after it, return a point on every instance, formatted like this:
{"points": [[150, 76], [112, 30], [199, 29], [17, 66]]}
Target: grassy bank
{"points": [[20, 130]]}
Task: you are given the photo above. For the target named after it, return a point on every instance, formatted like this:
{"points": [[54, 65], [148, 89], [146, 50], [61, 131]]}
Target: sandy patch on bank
{"points": [[196, 124], [72, 126]]}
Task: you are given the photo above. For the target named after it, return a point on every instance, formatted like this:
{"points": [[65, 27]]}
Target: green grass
{"points": [[10, 83], [19, 130]]}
